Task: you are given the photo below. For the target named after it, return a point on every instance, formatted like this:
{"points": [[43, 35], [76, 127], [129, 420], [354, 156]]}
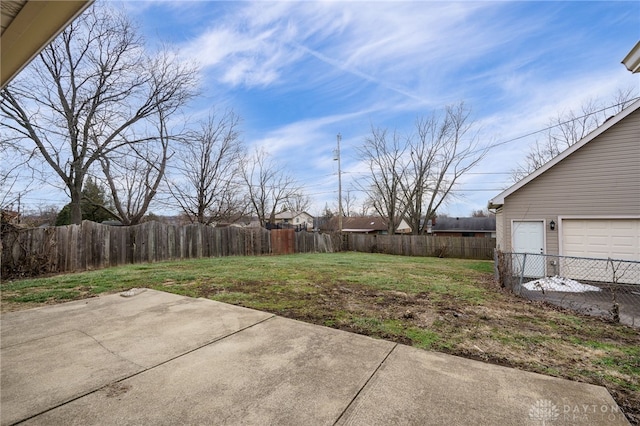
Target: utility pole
{"points": [[337, 157]]}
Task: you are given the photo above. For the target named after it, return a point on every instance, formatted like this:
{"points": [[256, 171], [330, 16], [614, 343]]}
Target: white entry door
{"points": [[528, 237]]}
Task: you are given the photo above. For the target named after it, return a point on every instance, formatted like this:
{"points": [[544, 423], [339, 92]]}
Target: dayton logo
{"points": [[544, 411]]}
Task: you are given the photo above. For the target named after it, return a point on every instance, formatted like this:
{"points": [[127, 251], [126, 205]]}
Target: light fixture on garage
{"points": [[552, 225]]}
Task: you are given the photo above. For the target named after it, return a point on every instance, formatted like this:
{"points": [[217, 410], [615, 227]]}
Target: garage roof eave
{"points": [[34, 26], [495, 203], [498, 200], [632, 60]]}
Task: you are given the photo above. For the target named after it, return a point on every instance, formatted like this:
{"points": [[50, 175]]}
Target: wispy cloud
{"points": [[305, 133], [388, 43], [305, 70]]}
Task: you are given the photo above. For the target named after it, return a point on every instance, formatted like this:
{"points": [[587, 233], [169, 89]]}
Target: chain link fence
{"points": [[608, 288]]}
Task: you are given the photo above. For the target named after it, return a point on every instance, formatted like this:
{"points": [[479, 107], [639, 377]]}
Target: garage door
{"points": [[614, 238]]}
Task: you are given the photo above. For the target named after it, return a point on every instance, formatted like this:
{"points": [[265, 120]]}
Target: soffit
{"points": [[28, 26]]}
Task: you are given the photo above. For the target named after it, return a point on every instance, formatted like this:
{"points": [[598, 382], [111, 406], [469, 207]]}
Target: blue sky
{"points": [[299, 72]]}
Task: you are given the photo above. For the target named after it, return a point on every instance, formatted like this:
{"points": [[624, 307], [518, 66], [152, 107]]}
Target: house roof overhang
{"points": [[632, 60], [28, 26], [498, 201]]}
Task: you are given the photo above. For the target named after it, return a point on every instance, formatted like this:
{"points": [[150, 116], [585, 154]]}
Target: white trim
{"points": [[498, 200], [587, 217], [632, 60]]}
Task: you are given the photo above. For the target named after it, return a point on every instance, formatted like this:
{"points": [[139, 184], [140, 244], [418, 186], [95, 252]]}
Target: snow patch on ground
{"points": [[556, 283]]}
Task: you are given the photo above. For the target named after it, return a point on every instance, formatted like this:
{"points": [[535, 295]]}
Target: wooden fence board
{"points": [[422, 245], [29, 252], [92, 246]]}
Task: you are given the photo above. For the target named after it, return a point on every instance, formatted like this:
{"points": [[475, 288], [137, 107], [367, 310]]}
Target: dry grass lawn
{"points": [[446, 305]]}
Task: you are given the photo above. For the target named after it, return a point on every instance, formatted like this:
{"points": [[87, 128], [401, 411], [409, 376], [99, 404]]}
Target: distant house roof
{"points": [[363, 224], [498, 200], [465, 224], [290, 215]]}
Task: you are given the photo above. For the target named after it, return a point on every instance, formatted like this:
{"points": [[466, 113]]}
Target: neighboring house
{"points": [[585, 202], [371, 225], [299, 220], [465, 227]]}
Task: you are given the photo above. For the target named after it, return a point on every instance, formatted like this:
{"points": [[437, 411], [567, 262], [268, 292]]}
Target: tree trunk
{"points": [[76, 206]]}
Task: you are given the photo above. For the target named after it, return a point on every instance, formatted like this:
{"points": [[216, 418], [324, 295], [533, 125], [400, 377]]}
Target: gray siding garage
{"points": [[585, 202]]}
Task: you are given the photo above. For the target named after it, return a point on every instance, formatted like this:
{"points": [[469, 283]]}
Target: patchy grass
{"points": [[446, 305]]}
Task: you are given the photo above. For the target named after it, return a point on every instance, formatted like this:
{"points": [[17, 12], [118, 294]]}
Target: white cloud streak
{"points": [[376, 62]]}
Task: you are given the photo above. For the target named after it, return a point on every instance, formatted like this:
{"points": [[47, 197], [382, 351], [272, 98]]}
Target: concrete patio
{"points": [[163, 359]]}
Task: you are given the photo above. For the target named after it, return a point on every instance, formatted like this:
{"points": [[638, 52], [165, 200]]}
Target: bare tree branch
{"points": [[268, 186], [384, 157], [208, 186], [567, 128], [298, 202], [84, 97], [411, 177]]}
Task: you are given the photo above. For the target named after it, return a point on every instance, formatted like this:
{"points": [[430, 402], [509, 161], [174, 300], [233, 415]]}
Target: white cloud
{"points": [[390, 43], [353, 63], [304, 133]]}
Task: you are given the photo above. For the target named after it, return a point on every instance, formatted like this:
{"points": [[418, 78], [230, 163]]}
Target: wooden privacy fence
{"points": [[31, 252], [422, 245]]}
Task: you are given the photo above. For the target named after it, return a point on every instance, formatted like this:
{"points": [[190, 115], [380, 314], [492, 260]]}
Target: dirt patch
{"points": [[115, 390]]}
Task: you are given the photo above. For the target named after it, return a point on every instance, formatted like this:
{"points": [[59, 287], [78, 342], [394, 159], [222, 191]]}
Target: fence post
{"points": [[524, 263]]}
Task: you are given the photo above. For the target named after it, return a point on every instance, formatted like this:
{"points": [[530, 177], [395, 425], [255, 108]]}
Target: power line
{"points": [[557, 125]]}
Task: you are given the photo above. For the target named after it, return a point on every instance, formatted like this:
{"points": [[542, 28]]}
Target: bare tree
{"points": [[133, 174], [411, 177], [208, 187], [349, 203], [442, 151], [268, 186], [40, 215], [91, 92], [364, 209], [13, 184], [298, 202], [481, 213], [567, 128], [383, 155]]}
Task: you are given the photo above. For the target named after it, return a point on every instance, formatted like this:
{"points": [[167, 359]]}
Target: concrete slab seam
{"points": [[89, 392], [73, 398], [39, 338], [107, 349], [366, 383]]}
